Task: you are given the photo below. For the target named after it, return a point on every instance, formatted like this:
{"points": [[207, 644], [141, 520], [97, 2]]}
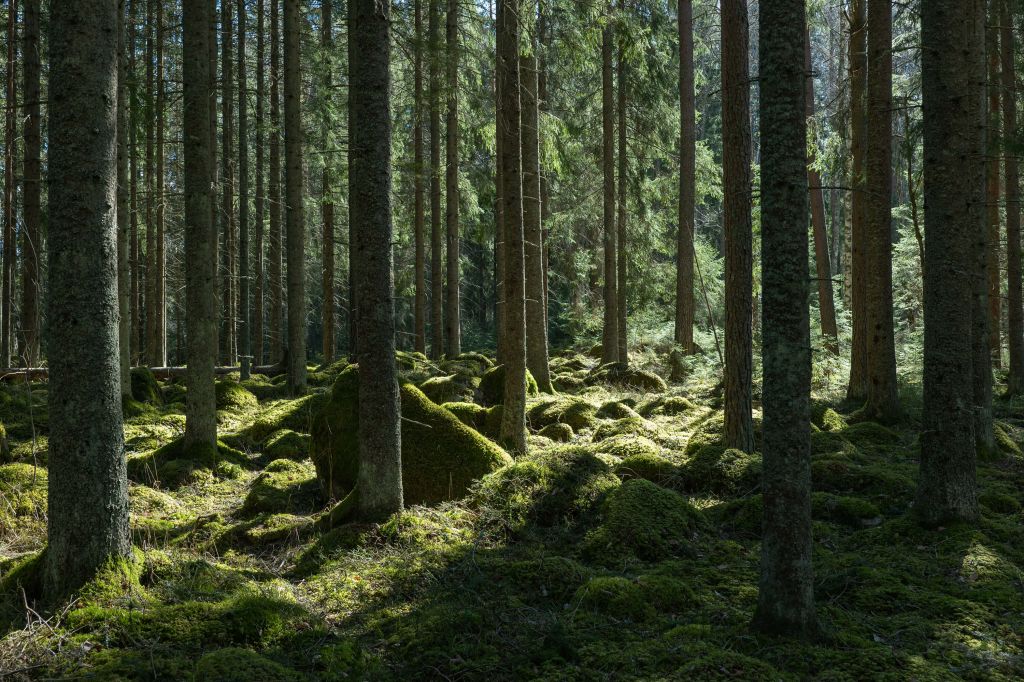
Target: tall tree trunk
{"points": [[160, 257], [137, 328], [31, 244], [544, 40], [610, 331], [380, 455], [276, 252], [1014, 299], [739, 428], [954, 171], [123, 194], [992, 184], [452, 322], [88, 486], [326, 200], [687, 181], [149, 296], [857, 390], [244, 314], [883, 402], [259, 268], [786, 590], [826, 303], [984, 431], [420, 306], [513, 420], [295, 229], [620, 264], [229, 349], [200, 236], [10, 219], [536, 325], [436, 274]]}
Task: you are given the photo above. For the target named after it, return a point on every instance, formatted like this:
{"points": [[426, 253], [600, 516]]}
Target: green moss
{"points": [[287, 444], [325, 375], [264, 389], [645, 520], [615, 596], [615, 409], [868, 434], [649, 466], [441, 456], [1000, 502], [233, 397], [172, 465], [296, 415], [145, 387], [710, 431], [241, 665], [627, 446], [628, 377], [667, 594], [629, 426], [284, 486], [827, 442], [492, 385], [560, 433], [449, 389], [22, 491], [147, 501], [576, 412], [668, 406], [830, 420], [567, 383], [721, 471], [851, 511], [468, 413], [1005, 443], [116, 584], [885, 481]]}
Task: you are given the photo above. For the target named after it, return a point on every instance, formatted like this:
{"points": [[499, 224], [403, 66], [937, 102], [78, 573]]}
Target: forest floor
{"points": [[628, 552]]}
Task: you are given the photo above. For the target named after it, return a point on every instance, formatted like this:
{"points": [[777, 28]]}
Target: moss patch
{"points": [[284, 486], [492, 386], [578, 413]]}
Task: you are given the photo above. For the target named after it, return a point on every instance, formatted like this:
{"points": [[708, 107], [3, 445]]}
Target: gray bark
{"points": [[294, 227]]}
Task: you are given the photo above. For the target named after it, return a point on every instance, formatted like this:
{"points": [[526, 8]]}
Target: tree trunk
{"points": [[200, 236], [10, 219], [513, 421], [687, 182], [436, 275], [88, 487], [259, 273], [276, 267], [295, 228], [736, 183], [857, 390], [452, 321], [536, 325], [420, 312], [620, 265], [380, 456], [984, 432], [1014, 299], [244, 315], [954, 170], [229, 350], [159, 257], [992, 185], [785, 602], [610, 331], [883, 399], [544, 40], [149, 295], [326, 201], [214, 167], [137, 328], [31, 244], [123, 194], [826, 303]]}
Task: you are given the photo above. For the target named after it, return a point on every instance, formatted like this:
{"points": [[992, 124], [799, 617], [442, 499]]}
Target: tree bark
{"points": [[883, 402], [452, 319], [954, 171], [10, 219], [992, 185], [326, 200], [420, 306], [826, 302], [214, 167], [160, 256], [259, 268], [857, 390], [738, 230], [610, 331], [276, 252], [436, 274], [786, 590], [123, 195], [229, 299], [244, 314], [136, 346], [513, 421], [380, 456], [685, 313], [31, 244], [200, 236], [88, 485], [620, 264], [1014, 299], [294, 227]]}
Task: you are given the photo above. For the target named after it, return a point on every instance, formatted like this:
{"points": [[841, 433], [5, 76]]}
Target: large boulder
{"points": [[441, 456]]}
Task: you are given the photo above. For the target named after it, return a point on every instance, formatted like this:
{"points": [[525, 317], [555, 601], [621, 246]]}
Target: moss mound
{"points": [[651, 467], [721, 471], [287, 444], [868, 434], [284, 486], [296, 415], [567, 383], [492, 386], [441, 456], [22, 496], [645, 520], [629, 426], [234, 397], [172, 465], [615, 596], [827, 419], [627, 446], [711, 431], [628, 377], [1000, 502], [560, 433], [145, 387], [576, 412], [616, 409], [449, 389], [468, 413], [667, 406], [235, 664]]}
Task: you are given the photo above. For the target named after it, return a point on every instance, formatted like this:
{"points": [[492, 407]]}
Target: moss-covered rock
{"points": [[1005, 444], [645, 520], [560, 433], [828, 419], [450, 389], [614, 596], [171, 464], [235, 664], [616, 409], [234, 397], [263, 388], [668, 406], [576, 412], [296, 415], [145, 387], [567, 383], [710, 431], [628, 426], [492, 386], [870, 434], [651, 467], [850, 511], [441, 456], [721, 471], [628, 377], [285, 486], [840, 475], [468, 413], [627, 446], [287, 444]]}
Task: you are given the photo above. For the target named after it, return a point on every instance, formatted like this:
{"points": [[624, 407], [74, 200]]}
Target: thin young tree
{"points": [[326, 199], [785, 601], [736, 188], [10, 219], [622, 187], [1011, 179], [857, 389], [610, 330], [992, 184], [244, 309], [434, 96], [123, 202], [200, 235], [229, 242], [687, 181], [275, 253], [137, 346], [88, 482], [513, 420], [954, 184], [294, 227], [159, 306], [32, 183], [883, 402], [452, 320], [420, 306], [380, 454]]}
